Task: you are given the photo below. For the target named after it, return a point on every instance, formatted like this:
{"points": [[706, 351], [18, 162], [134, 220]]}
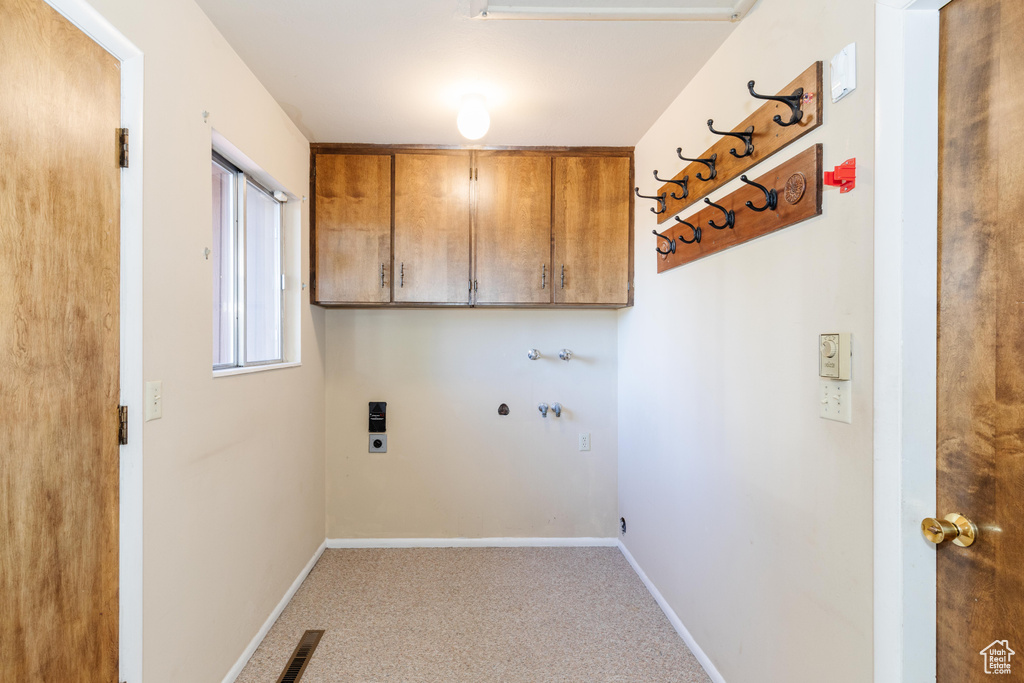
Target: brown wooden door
{"points": [[512, 231], [432, 228], [59, 349], [980, 430], [352, 229], [591, 230]]}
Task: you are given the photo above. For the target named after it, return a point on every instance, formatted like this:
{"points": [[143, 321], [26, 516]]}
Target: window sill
{"points": [[254, 368]]}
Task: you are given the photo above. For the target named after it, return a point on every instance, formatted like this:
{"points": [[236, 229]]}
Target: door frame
{"points": [[94, 25], [905, 345]]}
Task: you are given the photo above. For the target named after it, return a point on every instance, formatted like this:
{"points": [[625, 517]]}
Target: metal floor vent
{"points": [[300, 658]]}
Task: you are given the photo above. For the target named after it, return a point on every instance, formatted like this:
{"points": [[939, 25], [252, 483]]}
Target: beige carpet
{"points": [[477, 614]]}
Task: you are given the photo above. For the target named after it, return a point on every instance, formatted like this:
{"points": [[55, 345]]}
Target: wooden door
{"points": [[352, 229], [980, 430], [591, 230], [512, 232], [432, 228], [59, 349]]}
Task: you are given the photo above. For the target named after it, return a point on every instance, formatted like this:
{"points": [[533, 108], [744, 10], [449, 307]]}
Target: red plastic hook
{"points": [[844, 176]]}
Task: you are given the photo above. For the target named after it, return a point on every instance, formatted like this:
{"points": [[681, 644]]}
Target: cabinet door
{"points": [[352, 236], [513, 229], [432, 228], [591, 230]]}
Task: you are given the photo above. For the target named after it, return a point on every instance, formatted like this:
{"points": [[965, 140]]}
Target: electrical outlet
{"points": [[585, 441], [378, 443], [835, 401], [154, 400]]}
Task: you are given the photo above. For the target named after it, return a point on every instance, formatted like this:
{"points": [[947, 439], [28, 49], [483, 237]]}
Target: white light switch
{"points": [[834, 354], [154, 400], [844, 72], [835, 401]]}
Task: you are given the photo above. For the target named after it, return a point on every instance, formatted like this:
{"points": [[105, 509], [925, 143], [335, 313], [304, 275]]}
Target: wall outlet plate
{"points": [[154, 400], [584, 441], [378, 443], [835, 403]]}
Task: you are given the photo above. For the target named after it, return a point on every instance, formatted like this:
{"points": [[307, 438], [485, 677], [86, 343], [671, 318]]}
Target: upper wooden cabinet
{"points": [[432, 228], [512, 227], [352, 241], [590, 230]]}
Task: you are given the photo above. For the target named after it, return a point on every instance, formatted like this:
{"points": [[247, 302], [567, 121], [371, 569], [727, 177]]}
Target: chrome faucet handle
{"points": [[556, 408], [533, 354], [543, 408], [565, 354]]}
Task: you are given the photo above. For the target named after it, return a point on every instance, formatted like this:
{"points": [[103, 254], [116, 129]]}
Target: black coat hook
{"points": [[730, 217], [792, 101], [696, 232], [709, 162], [771, 197], [747, 136], [671, 244], [660, 199], [681, 183]]}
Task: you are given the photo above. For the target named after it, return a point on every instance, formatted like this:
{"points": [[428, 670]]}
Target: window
{"points": [[248, 281]]}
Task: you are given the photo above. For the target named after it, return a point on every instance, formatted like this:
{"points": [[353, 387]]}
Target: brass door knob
{"points": [[953, 527]]}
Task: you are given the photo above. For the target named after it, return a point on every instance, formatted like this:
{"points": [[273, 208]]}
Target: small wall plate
{"points": [[378, 443]]}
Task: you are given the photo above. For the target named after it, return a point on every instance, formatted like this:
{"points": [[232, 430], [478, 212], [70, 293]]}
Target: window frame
{"points": [[241, 180]]}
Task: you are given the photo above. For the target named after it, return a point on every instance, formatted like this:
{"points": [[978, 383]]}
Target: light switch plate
{"points": [[154, 400], [834, 354], [378, 443], [844, 72], [835, 403]]}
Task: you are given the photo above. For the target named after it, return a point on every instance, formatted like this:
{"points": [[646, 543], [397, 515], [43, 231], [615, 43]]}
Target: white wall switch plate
{"points": [[378, 443], [585, 441], [154, 400], [844, 72], [835, 403], [834, 355]]}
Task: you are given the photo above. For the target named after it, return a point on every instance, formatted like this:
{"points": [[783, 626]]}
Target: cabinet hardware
{"points": [[382, 276], [792, 101], [747, 136], [401, 275], [681, 183], [543, 275], [730, 217], [709, 162], [771, 197], [476, 287], [563, 276]]}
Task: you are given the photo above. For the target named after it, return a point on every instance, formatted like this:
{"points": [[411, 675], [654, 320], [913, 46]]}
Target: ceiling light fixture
{"points": [[473, 120]]}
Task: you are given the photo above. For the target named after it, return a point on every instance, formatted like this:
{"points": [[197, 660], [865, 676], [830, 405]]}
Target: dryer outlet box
{"points": [[378, 443]]}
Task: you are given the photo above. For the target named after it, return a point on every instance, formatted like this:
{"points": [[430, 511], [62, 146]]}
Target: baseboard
{"points": [[572, 542], [261, 634], [673, 618]]}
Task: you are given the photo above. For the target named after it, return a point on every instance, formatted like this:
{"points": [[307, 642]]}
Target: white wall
{"points": [[233, 493], [454, 467], [751, 514]]}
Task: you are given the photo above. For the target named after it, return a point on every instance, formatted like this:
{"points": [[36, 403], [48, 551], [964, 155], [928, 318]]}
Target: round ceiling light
{"points": [[473, 120]]}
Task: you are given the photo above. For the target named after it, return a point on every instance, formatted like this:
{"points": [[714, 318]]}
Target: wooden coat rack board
{"points": [[797, 184], [768, 138]]}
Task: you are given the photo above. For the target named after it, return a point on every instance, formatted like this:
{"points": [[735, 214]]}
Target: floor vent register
{"points": [[300, 658]]}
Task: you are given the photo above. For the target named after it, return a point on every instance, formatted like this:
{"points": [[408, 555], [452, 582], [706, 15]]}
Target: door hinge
{"points": [[122, 425], [122, 138]]}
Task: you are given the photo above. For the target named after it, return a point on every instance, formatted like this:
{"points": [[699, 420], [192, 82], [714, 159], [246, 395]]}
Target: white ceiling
{"points": [[393, 71]]}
